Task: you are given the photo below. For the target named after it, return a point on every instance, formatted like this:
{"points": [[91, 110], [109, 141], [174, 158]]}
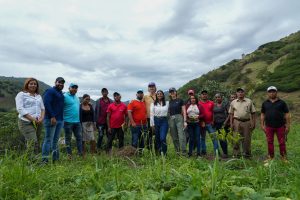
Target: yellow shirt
{"points": [[148, 99], [242, 109]]}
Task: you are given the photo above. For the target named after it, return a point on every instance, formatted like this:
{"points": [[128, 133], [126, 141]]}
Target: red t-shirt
{"points": [[117, 114], [103, 108], [139, 112], [208, 109]]}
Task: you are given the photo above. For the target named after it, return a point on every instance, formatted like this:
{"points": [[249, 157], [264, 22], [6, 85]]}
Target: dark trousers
{"points": [[161, 130], [74, 128], [149, 137], [223, 143], [194, 137], [102, 130], [111, 136], [138, 134]]}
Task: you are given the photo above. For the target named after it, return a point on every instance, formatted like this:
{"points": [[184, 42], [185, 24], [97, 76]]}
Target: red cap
{"points": [[191, 92]]}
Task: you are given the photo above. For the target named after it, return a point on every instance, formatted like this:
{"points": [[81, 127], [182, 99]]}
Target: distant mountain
{"points": [[275, 63], [9, 88]]}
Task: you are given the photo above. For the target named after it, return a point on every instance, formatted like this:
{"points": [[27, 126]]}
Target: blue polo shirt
{"points": [[71, 108]]}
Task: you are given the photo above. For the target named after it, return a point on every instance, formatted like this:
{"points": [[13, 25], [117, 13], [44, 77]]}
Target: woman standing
{"points": [[194, 114], [88, 124], [31, 111], [177, 121], [158, 119], [220, 116]]}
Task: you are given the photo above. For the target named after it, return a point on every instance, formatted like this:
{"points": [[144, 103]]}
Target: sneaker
{"points": [[284, 159], [269, 159], [69, 157]]}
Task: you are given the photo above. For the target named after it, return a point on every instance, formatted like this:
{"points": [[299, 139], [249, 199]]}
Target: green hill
{"points": [[274, 63], [9, 88]]}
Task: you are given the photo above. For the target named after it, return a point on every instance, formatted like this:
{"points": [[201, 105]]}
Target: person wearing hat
{"points": [[72, 120], [275, 118], [101, 116], [242, 120], [149, 99], [53, 122], [137, 114], [177, 121], [116, 115], [208, 122]]}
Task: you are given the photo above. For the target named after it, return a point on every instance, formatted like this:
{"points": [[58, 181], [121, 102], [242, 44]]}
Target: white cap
{"points": [[271, 88]]}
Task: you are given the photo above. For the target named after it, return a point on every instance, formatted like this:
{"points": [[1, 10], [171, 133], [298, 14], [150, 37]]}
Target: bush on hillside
{"points": [[10, 136]]}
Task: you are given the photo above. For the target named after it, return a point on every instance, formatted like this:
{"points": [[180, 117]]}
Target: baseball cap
{"points": [[172, 89], [151, 84], [240, 89], [140, 91], [116, 94], [271, 88], [60, 79], [73, 85], [191, 92]]}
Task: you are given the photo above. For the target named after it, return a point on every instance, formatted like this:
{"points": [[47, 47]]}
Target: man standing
{"points": [[242, 120], [116, 114], [148, 99], [101, 116], [275, 118], [72, 120], [137, 114], [53, 122], [208, 108]]}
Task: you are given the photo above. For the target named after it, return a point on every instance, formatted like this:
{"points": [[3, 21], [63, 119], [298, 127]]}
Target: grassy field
{"points": [[151, 177]]}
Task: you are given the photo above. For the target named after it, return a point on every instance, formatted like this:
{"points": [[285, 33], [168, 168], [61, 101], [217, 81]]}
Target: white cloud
{"points": [[123, 45]]}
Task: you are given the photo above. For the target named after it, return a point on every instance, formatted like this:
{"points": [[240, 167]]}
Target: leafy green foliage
{"points": [[152, 177], [234, 74]]}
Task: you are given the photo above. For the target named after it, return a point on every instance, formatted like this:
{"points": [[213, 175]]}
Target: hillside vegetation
{"points": [[9, 88], [275, 63]]}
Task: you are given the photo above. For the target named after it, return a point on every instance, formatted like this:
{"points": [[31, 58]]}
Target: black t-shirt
{"points": [[175, 106], [86, 115], [274, 113]]}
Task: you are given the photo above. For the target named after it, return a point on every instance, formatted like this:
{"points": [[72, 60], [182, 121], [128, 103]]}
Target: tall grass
{"points": [[154, 177]]}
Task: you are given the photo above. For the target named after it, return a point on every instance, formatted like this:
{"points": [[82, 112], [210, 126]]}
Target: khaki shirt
{"points": [[148, 100], [242, 109]]}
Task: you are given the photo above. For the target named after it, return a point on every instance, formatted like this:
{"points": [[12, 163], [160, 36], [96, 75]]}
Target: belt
{"points": [[242, 120], [160, 117]]}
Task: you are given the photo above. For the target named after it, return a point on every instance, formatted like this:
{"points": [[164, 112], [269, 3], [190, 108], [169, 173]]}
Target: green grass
{"points": [[151, 177]]}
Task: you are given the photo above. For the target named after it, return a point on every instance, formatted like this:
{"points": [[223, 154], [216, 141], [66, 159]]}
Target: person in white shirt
{"points": [[159, 121], [31, 111]]}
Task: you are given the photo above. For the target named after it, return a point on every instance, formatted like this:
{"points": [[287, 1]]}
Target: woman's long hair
{"points": [[27, 81], [196, 102], [163, 98]]}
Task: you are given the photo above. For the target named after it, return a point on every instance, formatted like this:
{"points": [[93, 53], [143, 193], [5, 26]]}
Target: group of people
{"points": [[150, 115]]}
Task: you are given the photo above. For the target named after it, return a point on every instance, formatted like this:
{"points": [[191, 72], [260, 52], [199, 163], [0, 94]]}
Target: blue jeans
{"points": [[52, 133], [194, 134], [202, 139], [76, 129], [138, 134], [161, 130], [215, 142], [102, 129]]}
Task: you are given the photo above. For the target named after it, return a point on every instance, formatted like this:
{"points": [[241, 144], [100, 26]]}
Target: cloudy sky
{"points": [[124, 44]]}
